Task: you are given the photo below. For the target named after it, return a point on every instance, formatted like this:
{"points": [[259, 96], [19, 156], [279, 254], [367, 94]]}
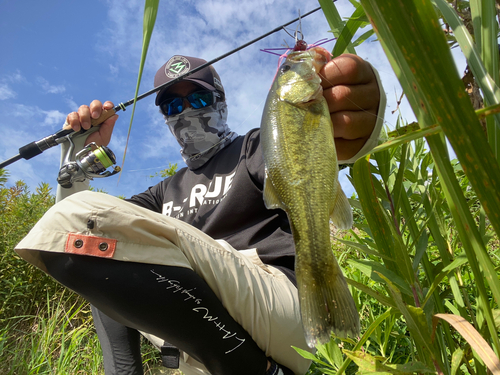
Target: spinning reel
{"points": [[91, 162]]}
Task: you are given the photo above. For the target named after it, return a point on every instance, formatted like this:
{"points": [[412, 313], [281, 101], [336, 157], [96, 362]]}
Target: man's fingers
{"points": [[95, 109], [84, 115], [73, 121], [352, 125], [102, 137], [352, 98], [346, 70]]}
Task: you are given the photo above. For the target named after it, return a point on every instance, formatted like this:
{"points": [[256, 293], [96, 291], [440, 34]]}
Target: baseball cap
{"points": [[179, 65]]}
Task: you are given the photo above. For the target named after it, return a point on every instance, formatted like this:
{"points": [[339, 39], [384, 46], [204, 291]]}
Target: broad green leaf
{"points": [[312, 357], [306, 354], [150, 12], [331, 352]]}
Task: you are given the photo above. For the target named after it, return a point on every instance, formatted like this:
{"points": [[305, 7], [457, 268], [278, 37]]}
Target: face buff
{"points": [[201, 132]]}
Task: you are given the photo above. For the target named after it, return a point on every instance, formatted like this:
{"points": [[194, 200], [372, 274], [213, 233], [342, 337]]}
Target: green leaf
{"points": [[370, 330], [445, 271], [373, 364], [456, 360], [389, 241], [374, 269], [333, 17], [365, 249], [305, 354], [331, 352], [150, 12], [357, 20], [412, 37], [418, 327], [372, 293]]}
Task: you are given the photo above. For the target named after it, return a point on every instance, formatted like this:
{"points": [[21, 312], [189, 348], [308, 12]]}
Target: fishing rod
{"points": [[35, 148]]}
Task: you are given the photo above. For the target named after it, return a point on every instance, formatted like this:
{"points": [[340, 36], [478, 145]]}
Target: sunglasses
{"points": [[199, 99]]}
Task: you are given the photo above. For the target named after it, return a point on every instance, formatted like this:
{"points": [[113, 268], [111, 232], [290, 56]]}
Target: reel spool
{"points": [[91, 162]]}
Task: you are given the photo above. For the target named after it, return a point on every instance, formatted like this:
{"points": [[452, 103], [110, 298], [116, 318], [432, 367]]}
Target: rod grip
{"points": [[106, 113]]}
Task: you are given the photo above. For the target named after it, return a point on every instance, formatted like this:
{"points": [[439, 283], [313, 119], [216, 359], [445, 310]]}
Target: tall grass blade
{"points": [[471, 52], [344, 41], [150, 12], [419, 328], [334, 20], [382, 227], [485, 31], [419, 54], [414, 41]]}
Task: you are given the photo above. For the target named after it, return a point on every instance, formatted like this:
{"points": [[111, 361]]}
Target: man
{"points": [[197, 260]]}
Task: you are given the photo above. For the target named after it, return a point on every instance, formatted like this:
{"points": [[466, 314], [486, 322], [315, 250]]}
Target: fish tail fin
{"points": [[342, 212], [326, 306]]}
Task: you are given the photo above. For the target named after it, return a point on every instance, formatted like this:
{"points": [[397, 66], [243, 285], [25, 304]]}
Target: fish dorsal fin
{"points": [[271, 197], [342, 212]]}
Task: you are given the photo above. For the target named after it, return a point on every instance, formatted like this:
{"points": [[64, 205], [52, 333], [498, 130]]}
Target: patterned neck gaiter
{"points": [[201, 133]]}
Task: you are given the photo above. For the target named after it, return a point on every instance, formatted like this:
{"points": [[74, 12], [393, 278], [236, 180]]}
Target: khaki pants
{"points": [[259, 297]]}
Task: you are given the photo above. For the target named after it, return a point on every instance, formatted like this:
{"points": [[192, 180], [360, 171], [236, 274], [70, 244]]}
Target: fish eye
{"points": [[285, 68]]}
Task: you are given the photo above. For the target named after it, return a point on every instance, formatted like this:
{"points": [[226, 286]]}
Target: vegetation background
{"points": [[423, 259]]}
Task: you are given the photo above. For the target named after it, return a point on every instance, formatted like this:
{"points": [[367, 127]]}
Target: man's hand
{"points": [[352, 93], [81, 120]]}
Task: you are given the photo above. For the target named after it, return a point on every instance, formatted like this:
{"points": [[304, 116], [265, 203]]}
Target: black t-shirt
{"points": [[224, 199]]}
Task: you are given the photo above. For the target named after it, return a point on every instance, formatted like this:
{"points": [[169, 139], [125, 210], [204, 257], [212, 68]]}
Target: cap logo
{"points": [[177, 66], [218, 84]]}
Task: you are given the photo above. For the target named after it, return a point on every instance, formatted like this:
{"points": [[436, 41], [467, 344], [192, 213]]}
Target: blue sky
{"points": [[58, 54]]}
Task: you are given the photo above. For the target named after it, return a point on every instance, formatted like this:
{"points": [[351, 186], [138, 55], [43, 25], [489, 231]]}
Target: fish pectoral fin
{"points": [[342, 212], [271, 197]]}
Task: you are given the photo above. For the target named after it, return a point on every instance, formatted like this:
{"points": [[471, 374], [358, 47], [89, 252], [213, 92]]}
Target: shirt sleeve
{"points": [[152, 198], [375, 137], [255, 158]]}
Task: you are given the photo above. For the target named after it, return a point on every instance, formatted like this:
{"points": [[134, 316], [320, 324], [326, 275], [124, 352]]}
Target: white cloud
{"points": [[30, 115], [15, 77], [6, 92], [114, 70], [48, 88], [53, 118], [72, 105]]}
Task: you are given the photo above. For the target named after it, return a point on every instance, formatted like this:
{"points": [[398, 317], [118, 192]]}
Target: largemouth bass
{"points": [[302, 179]]}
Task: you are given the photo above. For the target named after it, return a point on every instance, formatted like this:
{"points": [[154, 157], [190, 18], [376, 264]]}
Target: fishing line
{"points": [[35, 148]]}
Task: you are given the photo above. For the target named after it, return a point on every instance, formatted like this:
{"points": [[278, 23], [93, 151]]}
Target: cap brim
{"points": [[198, 82]]}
